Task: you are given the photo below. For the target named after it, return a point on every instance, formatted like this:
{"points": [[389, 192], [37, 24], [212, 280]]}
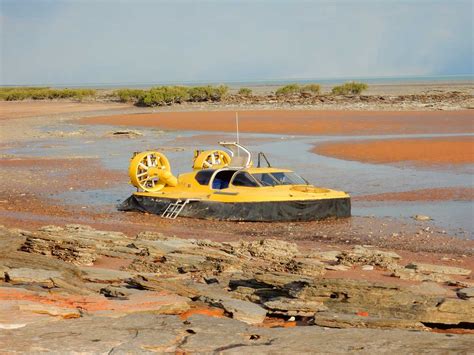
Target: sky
{"points": [[145, 41]]}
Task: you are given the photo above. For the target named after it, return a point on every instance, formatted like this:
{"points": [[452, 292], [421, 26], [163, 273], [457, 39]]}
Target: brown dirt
{"points": [[17, 109], [422, 152], [438, 194], [301, 122]]}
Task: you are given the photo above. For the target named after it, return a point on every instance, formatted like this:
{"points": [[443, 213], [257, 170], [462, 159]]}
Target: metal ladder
{"points": [[174, 209]]}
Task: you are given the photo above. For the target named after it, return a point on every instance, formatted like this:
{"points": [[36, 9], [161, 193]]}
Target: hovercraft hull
{"points": [[271, 211]]}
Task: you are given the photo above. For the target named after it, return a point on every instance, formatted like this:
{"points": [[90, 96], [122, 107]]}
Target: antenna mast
{"points": [[237, 126]]}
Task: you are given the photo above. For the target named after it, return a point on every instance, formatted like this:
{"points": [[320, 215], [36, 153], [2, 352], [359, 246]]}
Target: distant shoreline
{"points": [[464, 79]]}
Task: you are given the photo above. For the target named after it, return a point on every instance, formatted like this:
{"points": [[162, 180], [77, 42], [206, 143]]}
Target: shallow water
{"points": [[292, 152]]}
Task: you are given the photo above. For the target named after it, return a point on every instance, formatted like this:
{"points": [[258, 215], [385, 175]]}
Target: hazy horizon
{"points": [[74, 42]]}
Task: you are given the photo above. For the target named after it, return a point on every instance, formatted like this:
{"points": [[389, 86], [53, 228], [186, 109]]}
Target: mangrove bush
{"points": [[349, 88]]}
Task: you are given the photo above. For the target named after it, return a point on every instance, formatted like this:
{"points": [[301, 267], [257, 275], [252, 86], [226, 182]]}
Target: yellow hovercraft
{"points": [[225, 185]]}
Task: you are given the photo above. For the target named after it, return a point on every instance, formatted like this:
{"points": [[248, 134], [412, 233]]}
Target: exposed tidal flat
{"points": [[72, 266]]}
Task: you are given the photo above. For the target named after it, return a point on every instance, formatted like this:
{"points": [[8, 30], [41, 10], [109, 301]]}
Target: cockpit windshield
{"points": [[279, 178]]}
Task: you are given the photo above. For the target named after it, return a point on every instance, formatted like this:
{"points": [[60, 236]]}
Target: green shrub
{"points": [[245, 92], [164, 95], [130, 95], [352, 87], [207, 93], [288, 90], [43, 93], [312, 88]]}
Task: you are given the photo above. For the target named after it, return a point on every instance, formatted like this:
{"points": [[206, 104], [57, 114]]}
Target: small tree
{"points": [[312, 88], [130, 95], [164, 95], [352, 87], [245, 92], [288, 90]]}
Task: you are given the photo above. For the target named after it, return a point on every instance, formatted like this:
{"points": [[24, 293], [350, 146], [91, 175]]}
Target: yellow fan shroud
{"points": [[151, 171], [214, 159]]}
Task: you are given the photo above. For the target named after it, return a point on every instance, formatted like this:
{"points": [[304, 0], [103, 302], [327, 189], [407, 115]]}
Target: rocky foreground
{"points": [[78, 289]]}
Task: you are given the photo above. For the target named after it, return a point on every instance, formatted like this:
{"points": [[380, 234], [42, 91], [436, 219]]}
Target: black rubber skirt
{"points": [[245, 211]]}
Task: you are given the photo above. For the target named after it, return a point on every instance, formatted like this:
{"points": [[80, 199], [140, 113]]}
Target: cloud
{"points": [[173, 41]]}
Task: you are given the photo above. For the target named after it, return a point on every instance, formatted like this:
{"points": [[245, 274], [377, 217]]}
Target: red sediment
{"points": [[271, 322], [436, 194], [301, 122], [208, 311], [150, 300], [420, 151]]}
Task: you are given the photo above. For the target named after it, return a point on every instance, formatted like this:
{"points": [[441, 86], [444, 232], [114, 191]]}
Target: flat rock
{"points": [[201, 334], [93, 274], [430, 288], [439, 269], [26, 275], [337, 267], [294, 307], [268, 249], [51, 310], [466, 293], [360, 255], [326, 255], [410, 274], [244, 311]]}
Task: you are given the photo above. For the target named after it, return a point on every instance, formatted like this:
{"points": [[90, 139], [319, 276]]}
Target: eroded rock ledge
{"points": [[59, 273]]}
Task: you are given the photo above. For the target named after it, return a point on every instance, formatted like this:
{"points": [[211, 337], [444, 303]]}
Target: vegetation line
{"points": [[168, 95]]}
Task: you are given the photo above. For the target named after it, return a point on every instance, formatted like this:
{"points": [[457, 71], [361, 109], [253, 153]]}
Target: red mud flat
{"points": [[437, 194], [301, 122], [452, 151], [17, 109], [47, 175]]}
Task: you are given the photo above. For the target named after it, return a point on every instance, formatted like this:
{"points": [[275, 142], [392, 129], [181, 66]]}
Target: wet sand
{"points": [[437, 194], [36, 196], [301, 122], [451, 151], [18, 109]]}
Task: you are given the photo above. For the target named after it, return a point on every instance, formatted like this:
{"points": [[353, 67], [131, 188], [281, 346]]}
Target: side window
{"points": [[204, 176], [222, 179], [265, 179], [282, 178], [244, 179]]}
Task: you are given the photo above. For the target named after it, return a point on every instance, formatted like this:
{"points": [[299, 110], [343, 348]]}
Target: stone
{"points": [[367, 267], [26, 275], [268, 249], [326, 255], [346, 321], [93, 274], [430, 288], [125, 133], [306, 266], [39, 308], [410, 274], [421, 217], [360, 255], [171, 285], [244, 311], [337, 267], [294, 307], [466, 293], [450, 311], [202, 334], [439, 269]]}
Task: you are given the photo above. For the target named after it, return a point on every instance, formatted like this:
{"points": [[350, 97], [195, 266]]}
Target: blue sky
{"points": [[118, 41]]}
